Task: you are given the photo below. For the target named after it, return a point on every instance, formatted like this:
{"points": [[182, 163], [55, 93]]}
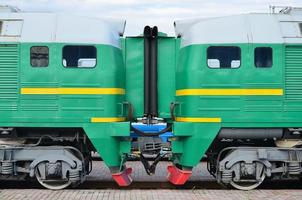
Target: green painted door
{"points": [[40, 106]]}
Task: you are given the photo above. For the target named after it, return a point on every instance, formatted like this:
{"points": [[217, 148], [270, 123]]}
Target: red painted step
{"points": [[178, 176], [123, 178]]}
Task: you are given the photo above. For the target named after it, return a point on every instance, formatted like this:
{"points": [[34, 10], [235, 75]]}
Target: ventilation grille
{"points": [[293, 73], [9, 62]]}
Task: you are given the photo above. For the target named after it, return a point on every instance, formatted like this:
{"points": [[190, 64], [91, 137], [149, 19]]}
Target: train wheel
{"points": [[252, 183], [53, 182]]}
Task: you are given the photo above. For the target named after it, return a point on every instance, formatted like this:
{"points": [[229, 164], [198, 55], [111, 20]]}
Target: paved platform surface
{"points": [[14, 194]]}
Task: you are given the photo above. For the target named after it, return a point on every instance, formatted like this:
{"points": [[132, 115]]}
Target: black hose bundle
{"points": [[150, 72]]}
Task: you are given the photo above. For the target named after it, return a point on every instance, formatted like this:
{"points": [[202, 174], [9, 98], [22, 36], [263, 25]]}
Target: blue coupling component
{"points": [[165, 136], [151, 129]]}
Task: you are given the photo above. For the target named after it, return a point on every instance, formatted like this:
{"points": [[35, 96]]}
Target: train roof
{"points": [[285, 27], [18, 26]]}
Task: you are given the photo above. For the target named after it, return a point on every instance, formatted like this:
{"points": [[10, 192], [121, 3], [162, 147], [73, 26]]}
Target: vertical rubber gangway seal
{"points": [[147, 60], [150, 72], [153, 74]]}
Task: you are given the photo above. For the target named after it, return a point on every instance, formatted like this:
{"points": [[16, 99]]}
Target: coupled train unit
{"points": [[227, 90]]}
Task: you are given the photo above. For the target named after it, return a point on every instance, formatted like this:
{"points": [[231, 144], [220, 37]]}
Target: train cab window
{"points": [[263, 57], [39, 56], [81, 56], [223, 57]]}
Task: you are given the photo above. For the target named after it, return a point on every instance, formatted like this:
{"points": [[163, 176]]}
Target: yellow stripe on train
{"points": [[198, 119], [229, 92], [73, 91], [107, 119]]}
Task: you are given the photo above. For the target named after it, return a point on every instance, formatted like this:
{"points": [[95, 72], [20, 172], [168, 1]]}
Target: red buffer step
{"points": [[123, 178], [178, 176]]}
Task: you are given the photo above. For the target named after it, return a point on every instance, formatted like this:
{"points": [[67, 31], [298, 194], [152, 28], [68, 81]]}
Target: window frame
{"points": [[76, 67], [240, 56], [267, 67], [31, 59]]}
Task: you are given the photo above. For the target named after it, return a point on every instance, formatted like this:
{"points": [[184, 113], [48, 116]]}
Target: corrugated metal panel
{"points": [[293, 72], [9, 62], [39, 102]]}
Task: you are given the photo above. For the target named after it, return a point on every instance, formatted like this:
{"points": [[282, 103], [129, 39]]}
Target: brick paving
{"points": [[16, 194]]}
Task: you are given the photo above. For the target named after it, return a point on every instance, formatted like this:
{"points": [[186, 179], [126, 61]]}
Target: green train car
{"points": [[239, 96], [226, 89], [61, 96]]}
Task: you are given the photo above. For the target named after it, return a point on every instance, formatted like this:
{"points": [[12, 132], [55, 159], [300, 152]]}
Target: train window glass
{"points": [[79, 56], [223, 57], [300, 27], [39, 56], [263, 57]]}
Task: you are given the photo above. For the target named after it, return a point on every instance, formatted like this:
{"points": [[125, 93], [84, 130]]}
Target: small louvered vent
{"points": [[293, 72], [9, 61]]}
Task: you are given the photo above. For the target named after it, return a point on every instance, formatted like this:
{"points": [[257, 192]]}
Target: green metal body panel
{"points": [[133, 52], [65, 110], [192, 141], [168, 48], [110, 141]]}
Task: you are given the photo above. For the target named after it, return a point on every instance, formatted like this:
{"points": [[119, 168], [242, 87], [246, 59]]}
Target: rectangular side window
{"points": [[223, 57], [263, 57], [79, 56], [39, 56]]}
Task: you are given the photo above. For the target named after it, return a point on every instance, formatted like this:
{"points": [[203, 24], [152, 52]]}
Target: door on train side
{"points": [[38, 72], [222, 73], [265, 74], [79, 70]]}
